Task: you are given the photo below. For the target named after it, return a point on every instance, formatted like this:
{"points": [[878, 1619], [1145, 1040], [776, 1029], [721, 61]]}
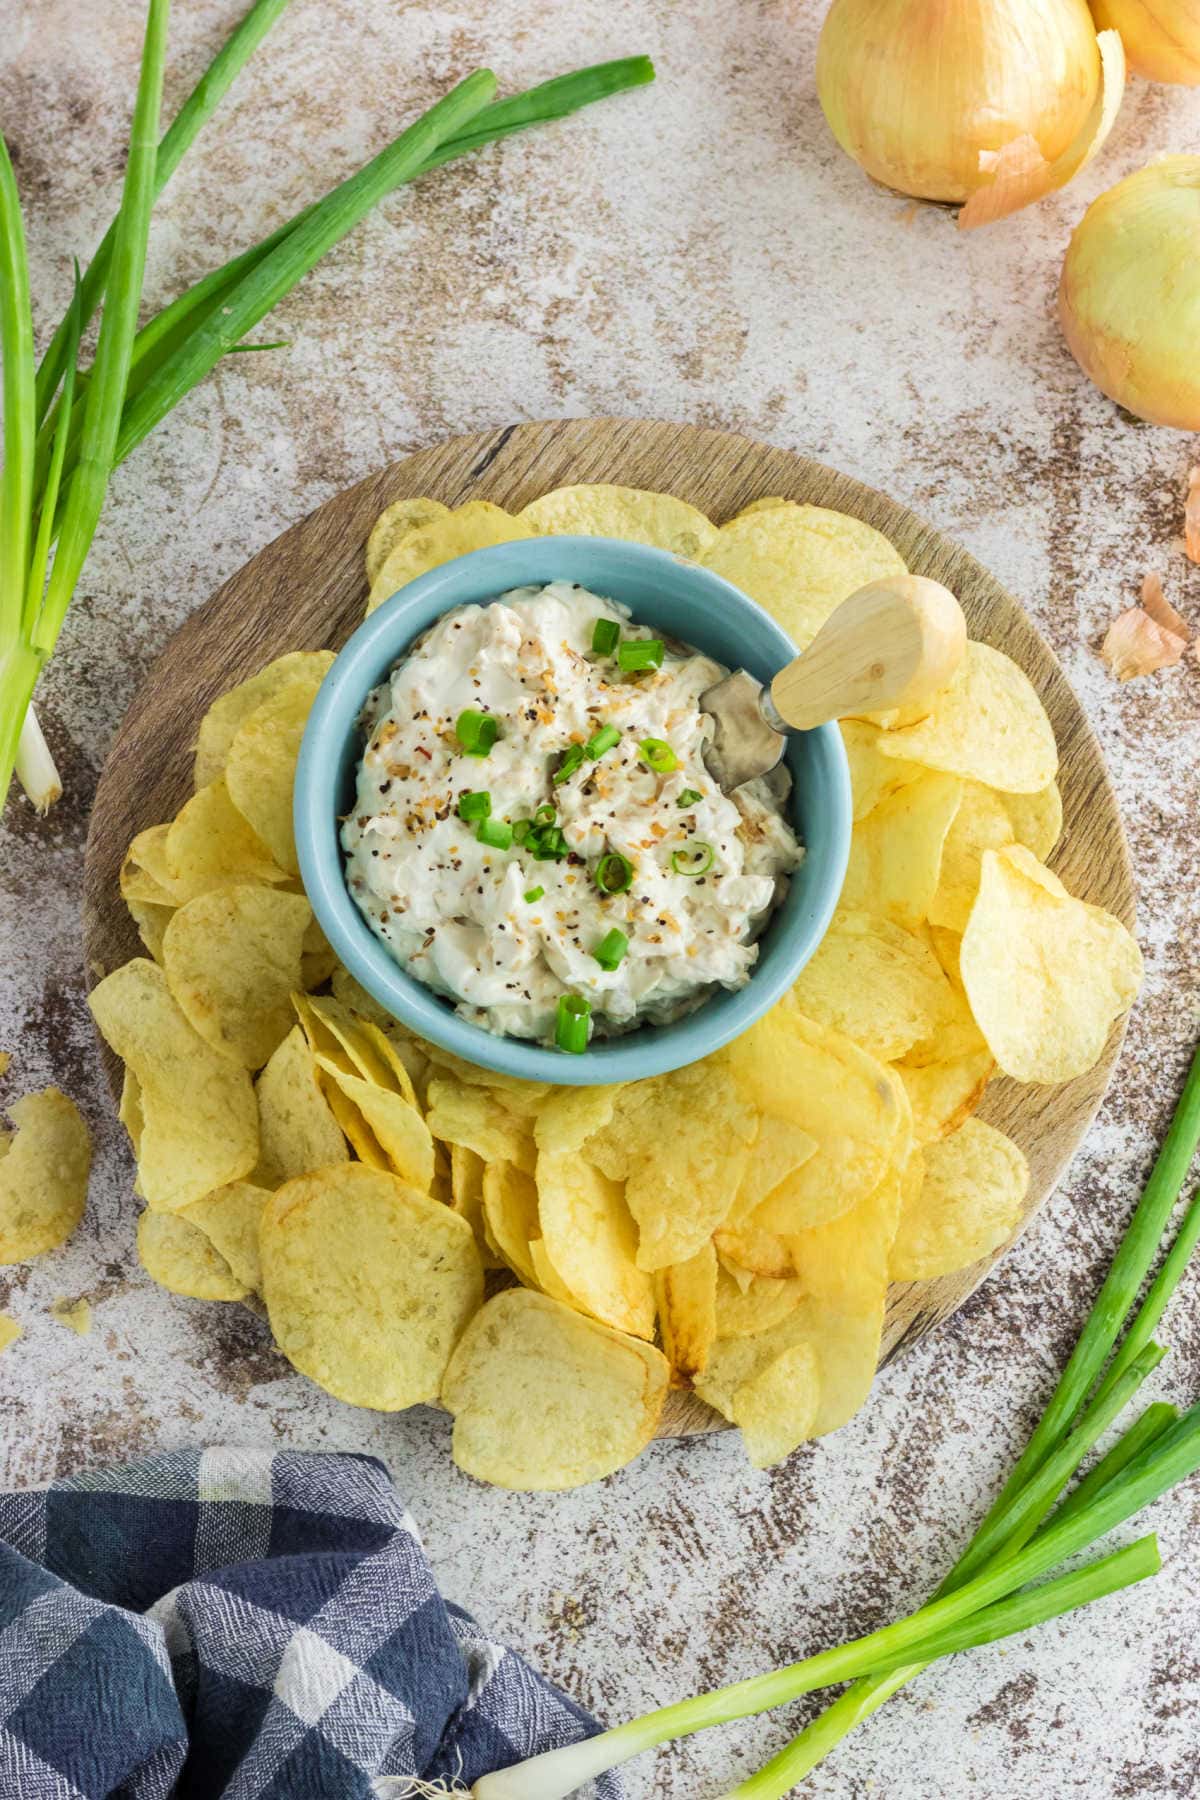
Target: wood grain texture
{"points": [[307, 590]]}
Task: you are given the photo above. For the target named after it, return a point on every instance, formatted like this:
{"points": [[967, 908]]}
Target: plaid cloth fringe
{"points": [[248, 1625]]}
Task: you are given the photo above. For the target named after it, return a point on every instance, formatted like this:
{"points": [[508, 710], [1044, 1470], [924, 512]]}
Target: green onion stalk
{"points": [[66, 429], [996, 1587]]}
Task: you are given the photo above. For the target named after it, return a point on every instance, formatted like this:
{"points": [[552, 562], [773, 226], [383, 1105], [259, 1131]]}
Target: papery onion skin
{"points": [[1161, 37], [1129, 297], [914, 90]]}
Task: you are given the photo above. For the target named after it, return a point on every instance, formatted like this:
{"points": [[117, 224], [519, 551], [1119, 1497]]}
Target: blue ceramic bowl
{"points": [[685, 602]]}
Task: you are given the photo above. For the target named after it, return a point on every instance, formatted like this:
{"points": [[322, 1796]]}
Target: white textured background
{"points": [[701, 251]]}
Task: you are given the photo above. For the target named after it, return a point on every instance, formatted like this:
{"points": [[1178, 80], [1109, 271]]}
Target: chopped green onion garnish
{"points": [[697, 859], [475, 806], [521, 830], [495, 833], [476, 732], [604, 739], [544, 814], [689, 797], [571, 1026], [548, 845], [534, 894], [572, 758], [640, 653], [606, 635], [610, 950], [614, 873], [658, 755]]}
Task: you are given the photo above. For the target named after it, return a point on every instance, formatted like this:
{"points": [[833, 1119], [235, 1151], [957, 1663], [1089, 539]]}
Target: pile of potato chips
{"points": [[729, 1228]]}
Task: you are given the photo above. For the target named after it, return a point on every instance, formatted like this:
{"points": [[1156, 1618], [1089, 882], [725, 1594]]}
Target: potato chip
{"points": [[763, 505], [368, 1284], [943, 1094], [592, 1242], [981, 823], [397, 1126], [521, 1098], [800, 562], [947, 947], [547, 1277], [846, 1261], [545, 1398], [987, 725], [471, 527], [597, 509], [44, 1167], [230, 710], [260, 768], [1037, 819], [144, 873], [180, 1257], [229, 1218], [76, 1315], [318, 960], [851, 1104], [570, 1116], [873, 776], [473, 1117], [210, 843], [151, 920], [779, 1150], [1046, 975], [744, 1311], [297, 1130], [232, 962], [777, 1409], [681, 1143], [394, 523], [466, 1197], [896, 851], [875, 982], [759, 1253], [199, 1117], [5, 1060], [10, 1331], [510, 1212], [686, 1297], [970, 1201], [353, 1126], [844, 1341]]}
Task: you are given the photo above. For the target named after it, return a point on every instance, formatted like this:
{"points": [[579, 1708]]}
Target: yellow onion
{"points": [[1129, 298], [949, 99], [1161, 37]]}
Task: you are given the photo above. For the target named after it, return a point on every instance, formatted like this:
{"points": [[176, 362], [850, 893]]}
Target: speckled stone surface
{"points": [[696, 251]]}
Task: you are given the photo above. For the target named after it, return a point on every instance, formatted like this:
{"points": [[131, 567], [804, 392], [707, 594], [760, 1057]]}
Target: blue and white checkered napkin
{"points": [[251, 1625]]}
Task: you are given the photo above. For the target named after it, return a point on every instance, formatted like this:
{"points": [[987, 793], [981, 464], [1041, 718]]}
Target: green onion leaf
{"points": [[605, 739], [611, 949], [521, 830], [475, 805], [697, 859], [544, 814], [572, 759], [476, 732], [640, 653], [533, 894], [571, 1024], [178, 138], [606, 635], [689, 797], [614, 873], [658, 755], [495, 833]]}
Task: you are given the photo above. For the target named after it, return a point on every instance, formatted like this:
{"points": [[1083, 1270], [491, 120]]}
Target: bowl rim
{"points": [[649, 1049]]}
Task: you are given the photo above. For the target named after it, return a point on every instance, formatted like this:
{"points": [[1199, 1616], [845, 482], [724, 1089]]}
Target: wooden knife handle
{"points": [[893, 642]]}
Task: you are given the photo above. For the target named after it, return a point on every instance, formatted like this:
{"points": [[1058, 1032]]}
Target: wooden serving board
{"points": [[307, 591]]}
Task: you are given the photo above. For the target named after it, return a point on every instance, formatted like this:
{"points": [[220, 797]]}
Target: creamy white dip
{"points": [[454, 911]]}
